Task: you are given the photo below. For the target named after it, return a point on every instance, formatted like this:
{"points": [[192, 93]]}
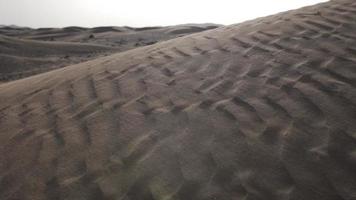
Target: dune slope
{"points": [[25, 51], [21, 58], [121, 37], [260, 110]]}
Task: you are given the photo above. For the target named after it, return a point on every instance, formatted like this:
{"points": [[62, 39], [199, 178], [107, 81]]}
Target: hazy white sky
{"points": [[89, 13]]}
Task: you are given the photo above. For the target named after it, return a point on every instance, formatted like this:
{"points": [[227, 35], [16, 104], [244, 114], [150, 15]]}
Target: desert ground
{"points": [[264, 109], [25, 52]]}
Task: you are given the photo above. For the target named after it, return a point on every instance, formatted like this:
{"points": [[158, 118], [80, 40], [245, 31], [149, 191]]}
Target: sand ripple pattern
{"points": [[261, 110]]}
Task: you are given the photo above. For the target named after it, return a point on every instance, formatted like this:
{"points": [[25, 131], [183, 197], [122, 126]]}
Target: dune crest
{"points": [[25, 52]]}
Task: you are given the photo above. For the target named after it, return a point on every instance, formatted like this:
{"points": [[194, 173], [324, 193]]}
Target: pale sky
{"points": [[138, 13]]}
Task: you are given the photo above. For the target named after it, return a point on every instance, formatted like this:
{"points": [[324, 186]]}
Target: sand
{"points": [[25, 52], [259, 110]]}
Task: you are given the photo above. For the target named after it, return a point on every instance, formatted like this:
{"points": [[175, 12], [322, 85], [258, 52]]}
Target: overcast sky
{"points": [[89, 13]]}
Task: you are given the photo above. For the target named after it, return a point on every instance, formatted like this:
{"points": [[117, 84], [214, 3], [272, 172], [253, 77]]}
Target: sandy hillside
{"points": [[25, 51], [21, 58], [121, 37], [260, 110]]}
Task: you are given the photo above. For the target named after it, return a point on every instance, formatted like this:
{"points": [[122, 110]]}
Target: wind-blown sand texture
{"points": [[25, 51], [260, 110], [21, 58]]}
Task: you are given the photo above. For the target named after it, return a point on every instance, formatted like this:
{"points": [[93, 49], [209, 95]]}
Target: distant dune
{"points": [[21, 58], [260, 110], [25, 51]]}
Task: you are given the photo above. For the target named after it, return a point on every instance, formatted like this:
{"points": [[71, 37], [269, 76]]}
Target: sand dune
{"points": [[25, 51], [121, 37], [20, 58], [259, 110]]}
